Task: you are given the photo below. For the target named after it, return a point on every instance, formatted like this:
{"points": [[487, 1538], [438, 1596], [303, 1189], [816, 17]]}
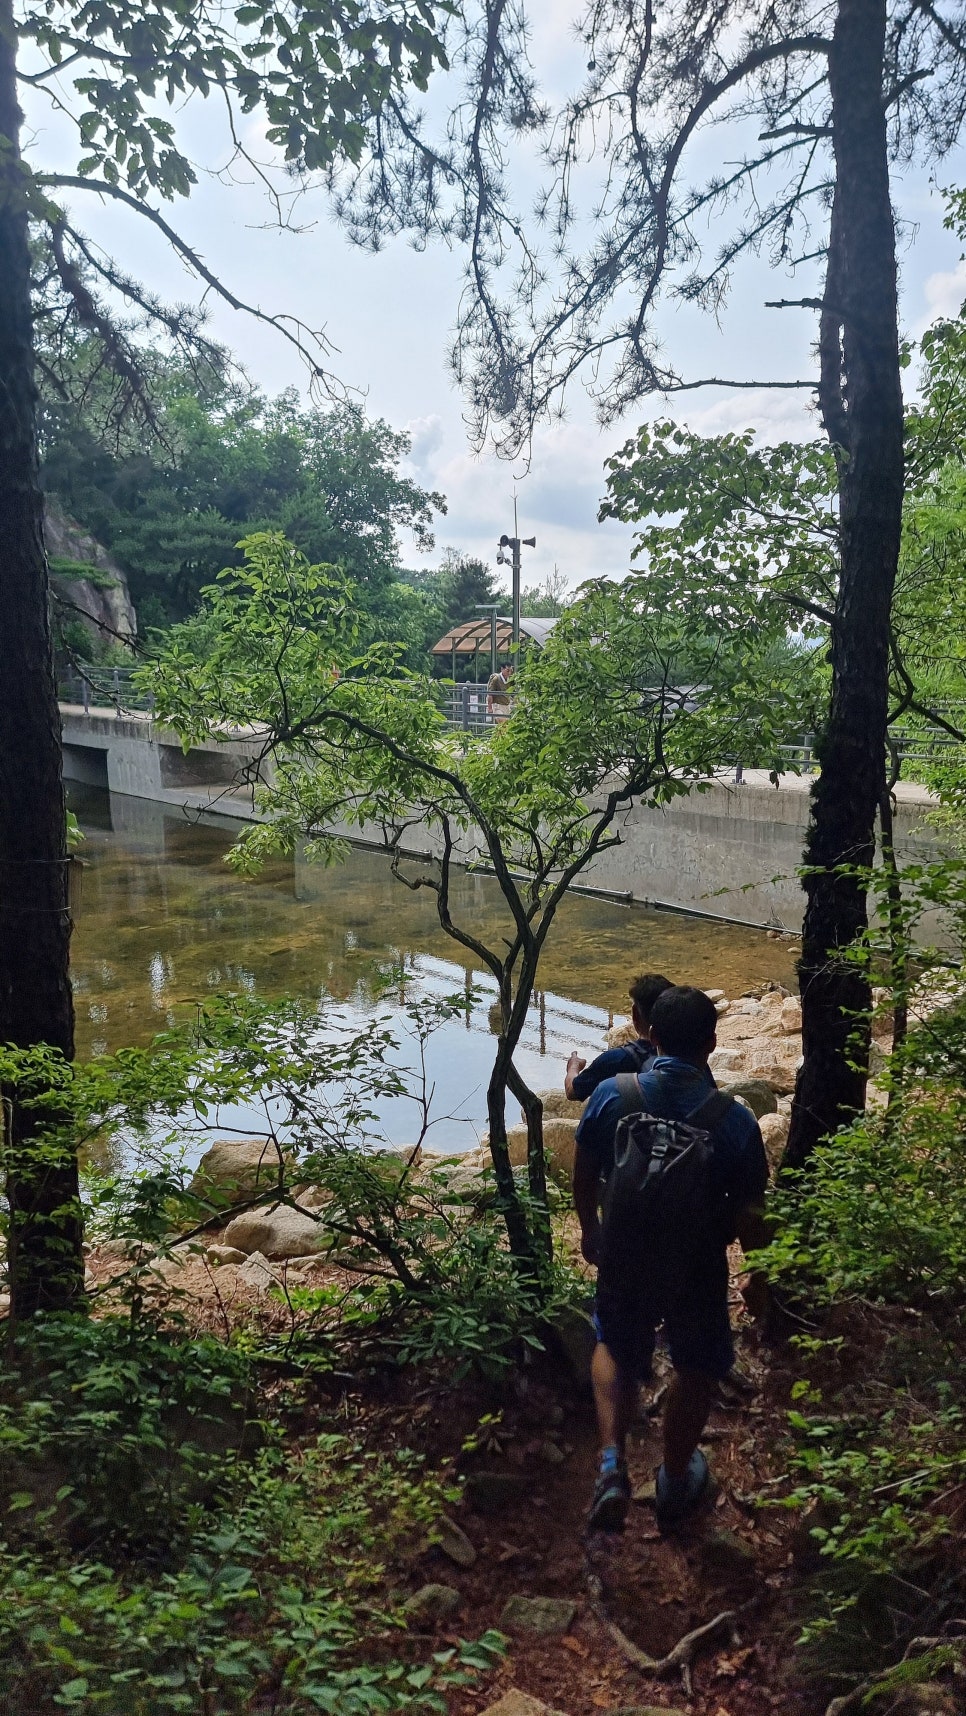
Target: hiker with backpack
{"points": [[581, 1080], [685, 1172]]}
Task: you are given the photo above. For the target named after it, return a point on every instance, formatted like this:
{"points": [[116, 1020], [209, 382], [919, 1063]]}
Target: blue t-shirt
{"points": [[672, 1089], [627, 1058]]}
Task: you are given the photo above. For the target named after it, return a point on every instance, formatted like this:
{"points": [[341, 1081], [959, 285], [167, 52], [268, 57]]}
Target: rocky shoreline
{"points": [[758, 1052]]}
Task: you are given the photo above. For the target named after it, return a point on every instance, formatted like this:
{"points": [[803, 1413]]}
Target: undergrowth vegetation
{"points": [[165, 1554], [870, 1251]]}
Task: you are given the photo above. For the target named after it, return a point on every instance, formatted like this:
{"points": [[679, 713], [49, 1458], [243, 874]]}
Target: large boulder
{"points": [[277, 1233], [725, 1060], [778, 1075], [459, 1180], [558, 1144], [774, 1131], [755, 1094], [234, 1169], [556, 1106]]}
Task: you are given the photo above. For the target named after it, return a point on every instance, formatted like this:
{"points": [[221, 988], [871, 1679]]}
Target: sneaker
{"points": [[612, 1498], [675, 1498]]}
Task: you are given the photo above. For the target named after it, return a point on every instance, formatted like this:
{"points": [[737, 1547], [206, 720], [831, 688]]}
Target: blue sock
{"points": [[610, 1460]]}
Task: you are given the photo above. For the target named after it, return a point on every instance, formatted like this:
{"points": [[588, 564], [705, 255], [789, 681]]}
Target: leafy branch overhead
{"points": [[725, 522], [302, 84]]}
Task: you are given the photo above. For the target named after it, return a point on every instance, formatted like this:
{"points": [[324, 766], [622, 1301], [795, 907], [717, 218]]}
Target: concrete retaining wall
{"points": [[726, 851]]}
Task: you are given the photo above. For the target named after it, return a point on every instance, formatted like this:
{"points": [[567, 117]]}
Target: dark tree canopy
{"points": [[171, 502]]}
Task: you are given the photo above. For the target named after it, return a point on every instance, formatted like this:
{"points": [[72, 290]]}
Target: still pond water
{"points": [[161, 922]]}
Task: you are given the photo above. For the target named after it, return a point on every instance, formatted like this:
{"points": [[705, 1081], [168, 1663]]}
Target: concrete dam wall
{"points": [[725, 851]]}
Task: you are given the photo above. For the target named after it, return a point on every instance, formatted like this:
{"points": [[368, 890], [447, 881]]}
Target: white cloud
{"points": [[944, 293], [427, 435], [777, 414], [558, 495]]}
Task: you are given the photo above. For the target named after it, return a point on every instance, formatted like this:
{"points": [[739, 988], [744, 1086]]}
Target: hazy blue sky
{"points": [[390, 319]]}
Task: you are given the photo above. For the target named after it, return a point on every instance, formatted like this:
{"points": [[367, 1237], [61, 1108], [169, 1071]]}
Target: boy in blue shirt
{"points": [[581, 1080], [677, 1082]]}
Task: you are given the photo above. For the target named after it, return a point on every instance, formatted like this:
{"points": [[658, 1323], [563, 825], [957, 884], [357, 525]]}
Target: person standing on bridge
{"points": [[498, 693]]}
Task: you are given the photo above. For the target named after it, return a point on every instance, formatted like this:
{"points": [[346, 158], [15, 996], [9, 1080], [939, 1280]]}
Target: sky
{"points": [[390, 317]]}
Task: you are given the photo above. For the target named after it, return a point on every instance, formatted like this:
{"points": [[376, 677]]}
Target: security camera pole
{"points": [[514, 544]]}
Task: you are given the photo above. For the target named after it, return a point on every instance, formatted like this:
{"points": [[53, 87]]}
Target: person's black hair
{"points": [[645, 990], [683, 1021]]}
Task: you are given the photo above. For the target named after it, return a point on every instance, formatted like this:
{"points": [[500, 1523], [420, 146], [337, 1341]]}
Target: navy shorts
{"points": [[698, 1339]]}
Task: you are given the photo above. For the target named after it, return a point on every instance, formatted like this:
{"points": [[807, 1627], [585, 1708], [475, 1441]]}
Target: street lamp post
{"points": [[514, 544]]}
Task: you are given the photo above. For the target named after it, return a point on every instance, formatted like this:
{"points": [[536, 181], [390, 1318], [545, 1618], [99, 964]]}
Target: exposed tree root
{"points": [[680, 1659]]}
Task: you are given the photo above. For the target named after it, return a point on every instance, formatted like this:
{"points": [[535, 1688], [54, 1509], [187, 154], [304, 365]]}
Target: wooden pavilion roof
{"points": [[473, 635]]}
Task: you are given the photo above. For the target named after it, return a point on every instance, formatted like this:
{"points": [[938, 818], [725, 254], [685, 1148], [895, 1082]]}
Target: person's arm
{"points": [[574, 1066], [586, 1189]]}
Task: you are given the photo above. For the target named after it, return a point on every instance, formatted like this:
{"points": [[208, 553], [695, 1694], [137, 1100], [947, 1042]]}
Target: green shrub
{"points": [[111, 1434], [273, 1588]]}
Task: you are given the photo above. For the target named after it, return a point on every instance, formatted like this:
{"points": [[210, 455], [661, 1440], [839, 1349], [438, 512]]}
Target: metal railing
{"points": [[464, 706], [92, 687]]}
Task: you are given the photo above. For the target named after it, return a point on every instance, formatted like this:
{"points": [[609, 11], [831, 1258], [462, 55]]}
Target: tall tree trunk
{"points": [[861, 399], [46, 1261]]}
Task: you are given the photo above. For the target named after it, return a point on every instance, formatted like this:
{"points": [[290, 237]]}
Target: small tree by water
{"points": [[347, 737]]}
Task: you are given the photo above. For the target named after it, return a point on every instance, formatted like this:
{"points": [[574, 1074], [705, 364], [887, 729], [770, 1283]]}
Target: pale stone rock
{"points": [[721, 1007], [121, 1251], [514, 1703], [234, 1169], [726, 1060], [647, 1710], [461, 1182], [496, 1492], [277, 1233], [791, 1015], [453, 1541], [755, 1094], [431, 1603], [774, 1131], [557, 1107], [716, 995], [172, 1267], [575, 1339], [544, 1616], [257, 1272], [618, 1035], [558, 1144], [778, 1077], [220, 1254], [312, 1197], [551, 1453]]}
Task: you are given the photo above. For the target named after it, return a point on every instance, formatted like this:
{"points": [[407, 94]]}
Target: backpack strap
{"points": [[639, 1052], [711, 1110], [630, 1093]]}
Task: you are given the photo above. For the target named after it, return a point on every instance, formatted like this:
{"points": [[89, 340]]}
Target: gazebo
{"points": [[496, 634]]}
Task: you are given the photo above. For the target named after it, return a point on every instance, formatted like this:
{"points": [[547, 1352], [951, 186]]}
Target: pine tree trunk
{"points": [[861, 399], [46, 1261]]}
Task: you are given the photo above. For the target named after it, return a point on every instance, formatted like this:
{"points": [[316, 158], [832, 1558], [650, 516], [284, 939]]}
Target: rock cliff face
{"points": [[102, 602]]}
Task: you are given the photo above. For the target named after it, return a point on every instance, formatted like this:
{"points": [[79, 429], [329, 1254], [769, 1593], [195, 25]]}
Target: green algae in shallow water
{"points": [[162, 922]]}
